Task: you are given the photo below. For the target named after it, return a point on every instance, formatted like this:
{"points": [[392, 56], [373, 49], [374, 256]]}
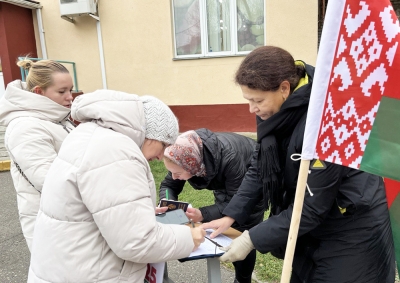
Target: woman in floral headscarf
{"points": [[217, 162]]}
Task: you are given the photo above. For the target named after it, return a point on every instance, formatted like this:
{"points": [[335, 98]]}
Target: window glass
{"points": [[250, 24], [187, 27], [218, 25], [206, 28]]}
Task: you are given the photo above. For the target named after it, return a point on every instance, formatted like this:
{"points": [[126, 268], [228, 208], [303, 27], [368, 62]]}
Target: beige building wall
{"points": [[71, 42], [138, 49], [293, 25]]}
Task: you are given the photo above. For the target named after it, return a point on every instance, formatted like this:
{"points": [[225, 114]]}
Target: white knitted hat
{"points": [[161, 123]]}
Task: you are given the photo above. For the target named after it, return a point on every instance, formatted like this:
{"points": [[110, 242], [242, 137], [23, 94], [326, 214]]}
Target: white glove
{"points": [[238, 249]]}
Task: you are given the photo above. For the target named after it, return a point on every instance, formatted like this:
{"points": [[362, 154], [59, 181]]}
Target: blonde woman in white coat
{"points": [[96, 221], [36, 115]]}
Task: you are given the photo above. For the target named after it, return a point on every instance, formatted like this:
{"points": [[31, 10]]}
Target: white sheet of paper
{"points": [[208, 247], [220, 239]]}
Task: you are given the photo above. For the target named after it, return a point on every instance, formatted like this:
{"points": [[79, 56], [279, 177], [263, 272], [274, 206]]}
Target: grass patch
{"points": [[267, 268]]}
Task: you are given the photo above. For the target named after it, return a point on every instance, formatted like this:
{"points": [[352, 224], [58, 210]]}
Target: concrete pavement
{"points": [[14, 254]]}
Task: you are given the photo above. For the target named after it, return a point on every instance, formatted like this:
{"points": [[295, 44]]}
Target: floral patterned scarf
{"points": [[187, 152]]}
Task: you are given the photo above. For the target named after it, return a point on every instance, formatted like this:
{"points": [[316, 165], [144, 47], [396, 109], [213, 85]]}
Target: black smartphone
{"points": [[177, 216]]}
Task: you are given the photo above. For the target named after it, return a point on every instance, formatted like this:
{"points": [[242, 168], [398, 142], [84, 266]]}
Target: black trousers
{"points": [[244, 268]]}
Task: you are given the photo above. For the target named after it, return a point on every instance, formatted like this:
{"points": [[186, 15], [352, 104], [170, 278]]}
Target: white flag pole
{"points": [[295, 221]]}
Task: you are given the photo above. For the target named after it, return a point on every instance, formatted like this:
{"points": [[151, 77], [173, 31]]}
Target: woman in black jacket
{"points": [[344, 233], [217, 162]]}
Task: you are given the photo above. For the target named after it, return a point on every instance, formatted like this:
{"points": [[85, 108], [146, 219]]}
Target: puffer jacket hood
{"points": [[111, 109], [17, 102]]}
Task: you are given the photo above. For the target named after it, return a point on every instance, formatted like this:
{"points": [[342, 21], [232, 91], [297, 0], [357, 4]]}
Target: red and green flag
{"points": [[354, 112]]}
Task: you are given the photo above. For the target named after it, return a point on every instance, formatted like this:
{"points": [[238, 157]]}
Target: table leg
{"points": [[166, 279], [213, 270]]}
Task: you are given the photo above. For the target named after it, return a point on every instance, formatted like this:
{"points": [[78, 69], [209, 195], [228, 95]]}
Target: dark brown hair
{"points": [[266, 67]]}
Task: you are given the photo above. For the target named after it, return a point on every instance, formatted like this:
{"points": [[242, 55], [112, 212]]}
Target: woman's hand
{"points": [[161, 209], [194, 214], [238, 249], [198, 236], [219, 225]]}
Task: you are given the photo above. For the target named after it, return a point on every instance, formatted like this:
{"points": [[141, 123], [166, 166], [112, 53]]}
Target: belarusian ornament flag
{"points": [[356, 89], [354, 112]]}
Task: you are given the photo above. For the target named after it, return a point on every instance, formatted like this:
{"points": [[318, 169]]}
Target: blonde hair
{"points": [[40, 72]]}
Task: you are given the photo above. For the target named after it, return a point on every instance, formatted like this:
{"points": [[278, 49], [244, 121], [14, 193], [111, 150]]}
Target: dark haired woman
{"points": [[217, 162], [345, 233]]}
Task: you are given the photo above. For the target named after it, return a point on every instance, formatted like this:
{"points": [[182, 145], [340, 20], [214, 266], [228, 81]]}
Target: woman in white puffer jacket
{"points": [[36, 116], [96, 221]]}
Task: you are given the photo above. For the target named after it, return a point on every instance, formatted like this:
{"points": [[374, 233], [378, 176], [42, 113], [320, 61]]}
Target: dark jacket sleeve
{"points": [[233, 173], [174, 187], [248, 195], [324, 184]]}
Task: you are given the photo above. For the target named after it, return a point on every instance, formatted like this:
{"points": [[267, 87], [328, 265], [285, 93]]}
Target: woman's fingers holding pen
{"points": [[219, 225], [198, 236], [194, 214]]}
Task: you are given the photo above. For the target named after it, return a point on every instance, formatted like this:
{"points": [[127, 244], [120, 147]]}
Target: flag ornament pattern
{"points": [[362, 90], [353, 118]]}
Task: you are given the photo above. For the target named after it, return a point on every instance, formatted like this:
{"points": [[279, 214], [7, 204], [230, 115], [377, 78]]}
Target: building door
{"points": [[17, 37]]}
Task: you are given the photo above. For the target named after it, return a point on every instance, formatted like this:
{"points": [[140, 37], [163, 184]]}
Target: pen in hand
{"points": [[166, 194], [191, 222], [214, 242]]}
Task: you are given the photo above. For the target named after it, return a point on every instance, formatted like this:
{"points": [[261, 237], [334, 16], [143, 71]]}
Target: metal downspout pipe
{"points": [[41, 33], [101, 50]]}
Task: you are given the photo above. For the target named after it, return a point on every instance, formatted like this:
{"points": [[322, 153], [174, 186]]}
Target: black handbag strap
{"points": [[23, 175]]}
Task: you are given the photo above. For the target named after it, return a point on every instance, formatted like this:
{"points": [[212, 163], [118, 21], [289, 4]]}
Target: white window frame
{"points": [[204, 34]]}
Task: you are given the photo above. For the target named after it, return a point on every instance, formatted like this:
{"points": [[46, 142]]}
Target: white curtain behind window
{"points": [[218, 25], [187, 27]]}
